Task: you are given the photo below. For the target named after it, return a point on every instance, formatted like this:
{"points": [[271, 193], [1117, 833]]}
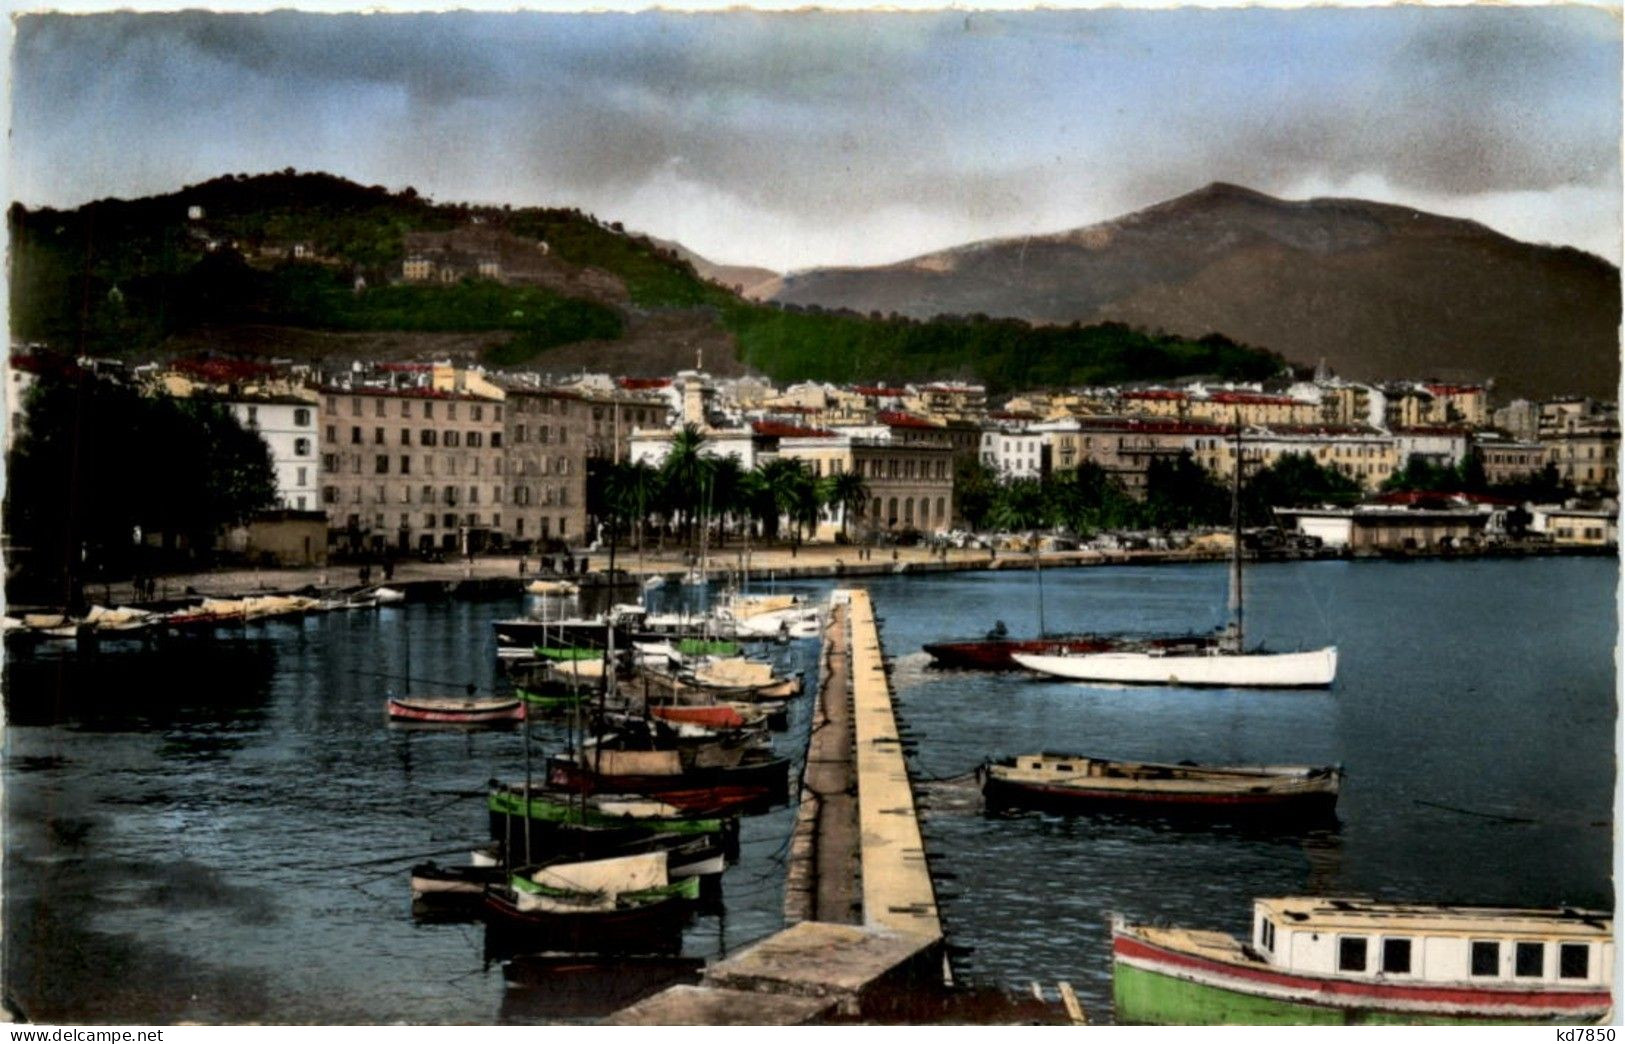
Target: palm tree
{"points": [[724, 476], [683, 473], [847, 491]]}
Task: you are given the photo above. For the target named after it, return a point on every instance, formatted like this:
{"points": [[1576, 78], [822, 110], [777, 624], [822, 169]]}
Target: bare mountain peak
{"points": [[1378, 289]]}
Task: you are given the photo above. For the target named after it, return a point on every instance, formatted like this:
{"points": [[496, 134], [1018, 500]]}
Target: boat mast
{"points": [[1235, 638]]}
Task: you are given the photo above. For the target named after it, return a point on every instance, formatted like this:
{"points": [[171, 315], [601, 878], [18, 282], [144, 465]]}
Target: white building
{"points": [[288, 426], [1441, 447], [1015, 452]]}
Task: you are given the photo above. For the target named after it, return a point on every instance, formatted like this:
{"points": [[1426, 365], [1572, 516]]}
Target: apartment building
{"points": [[550, 434], [411, 468]]}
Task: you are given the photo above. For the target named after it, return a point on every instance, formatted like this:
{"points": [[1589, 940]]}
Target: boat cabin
{"points": [[1482, 946]]}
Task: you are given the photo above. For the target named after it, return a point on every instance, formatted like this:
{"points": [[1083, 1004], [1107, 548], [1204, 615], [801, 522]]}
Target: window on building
{"points": [[355, 436], [496, 412], [406, 465], [332, 404], [563, 530], [378, 435], [518, 433], [1396, 956], [474, 440], [406, 436], [378, 411], [301, 447], [496, 440], [380, 464], [406, 408], [473, 494], [427, 437], [355, 406], [332, 433], [426, 495], [1574, 961], [1529, 960], [330, 494], [451, 411], [1351, 953], [299, 477], [301, 417], [449, 439], [428, 410]]}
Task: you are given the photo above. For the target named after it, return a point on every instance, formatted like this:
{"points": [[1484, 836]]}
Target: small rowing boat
{"points": [[455, 710]]}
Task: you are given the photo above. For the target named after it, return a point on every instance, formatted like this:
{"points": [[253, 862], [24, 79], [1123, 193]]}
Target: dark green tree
{"points": [[97, 459], [1293, 480], [1181, 494]]}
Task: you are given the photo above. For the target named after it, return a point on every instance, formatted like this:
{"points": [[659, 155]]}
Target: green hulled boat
{"points": [[707, 647]]}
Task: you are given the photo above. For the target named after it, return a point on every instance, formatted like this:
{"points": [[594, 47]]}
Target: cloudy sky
{"points": [[800, 139]]}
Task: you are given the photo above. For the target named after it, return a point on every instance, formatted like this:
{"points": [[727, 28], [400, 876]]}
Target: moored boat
{"points": [[1073, 782], [1215, 667], [456, 710], [1336, 961], [998, 654]]}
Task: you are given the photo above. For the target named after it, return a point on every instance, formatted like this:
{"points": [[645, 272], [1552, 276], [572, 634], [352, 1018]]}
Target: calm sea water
{"points": [[219, 830]]}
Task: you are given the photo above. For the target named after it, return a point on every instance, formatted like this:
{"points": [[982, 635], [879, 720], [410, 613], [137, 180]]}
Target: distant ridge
{"points": [[1377, 290]]}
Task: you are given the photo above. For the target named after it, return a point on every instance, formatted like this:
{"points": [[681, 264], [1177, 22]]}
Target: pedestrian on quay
{"points": [[521, 566]]}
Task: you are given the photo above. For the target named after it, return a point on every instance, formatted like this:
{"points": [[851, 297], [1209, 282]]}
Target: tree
{"points": [[1293, 480], [1181, 494], [1019, 506], [975, 487], [847, 491], [97, 459], [1087, 499], [682, 476]]}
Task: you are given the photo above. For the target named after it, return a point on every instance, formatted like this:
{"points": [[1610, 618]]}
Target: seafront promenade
{"points": [[490, 574]]}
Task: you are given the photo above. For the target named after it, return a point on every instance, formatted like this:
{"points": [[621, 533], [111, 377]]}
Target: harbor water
{"points": [[218, 829]]}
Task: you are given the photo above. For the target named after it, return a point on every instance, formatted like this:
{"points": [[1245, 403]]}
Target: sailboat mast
{"points": [[1236, 634]]}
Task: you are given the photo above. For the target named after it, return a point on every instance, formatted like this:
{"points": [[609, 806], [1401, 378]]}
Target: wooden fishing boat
{"points": [[461, 884], [455, 710], [757, 781], [632, 924], [722, 716], [557, 811], [1338, 961], [1075, 783]]}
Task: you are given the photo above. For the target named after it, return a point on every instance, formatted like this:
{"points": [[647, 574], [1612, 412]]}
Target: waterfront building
{"points": [[1576, 526], [1519, 418], [288, 425], [549, 434], [910, 481], [1361, 453], [1418, 525], [1015, 451], [411, 468]]}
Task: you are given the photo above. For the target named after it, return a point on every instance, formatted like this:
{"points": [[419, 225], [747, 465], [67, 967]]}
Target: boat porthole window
{"points": [[1574, 961], [1351, 953], [1396, 956], [1529, 960], [1063, 767], [1038, 765], [1486, 958]]}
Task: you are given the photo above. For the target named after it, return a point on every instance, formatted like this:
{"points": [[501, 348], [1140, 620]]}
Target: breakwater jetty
{"points": [[864, 940]]}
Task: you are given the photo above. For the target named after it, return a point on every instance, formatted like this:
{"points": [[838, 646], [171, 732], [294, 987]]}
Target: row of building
{"points": [[412, 457]]}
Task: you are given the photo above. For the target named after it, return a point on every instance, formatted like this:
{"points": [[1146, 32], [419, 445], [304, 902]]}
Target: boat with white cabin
{"points": [[1358, 961]]}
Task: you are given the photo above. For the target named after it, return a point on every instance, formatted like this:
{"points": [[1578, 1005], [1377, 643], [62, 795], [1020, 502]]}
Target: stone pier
{"points": [[864, 938]]}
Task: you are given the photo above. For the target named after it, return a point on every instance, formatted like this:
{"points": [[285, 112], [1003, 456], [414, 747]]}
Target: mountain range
{"points": [[1375, 290]]}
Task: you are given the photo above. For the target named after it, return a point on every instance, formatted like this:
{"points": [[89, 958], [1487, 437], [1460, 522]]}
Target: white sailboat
{"points": [[1228, 664]]}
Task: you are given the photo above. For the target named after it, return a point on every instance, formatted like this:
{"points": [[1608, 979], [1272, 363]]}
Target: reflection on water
{"points": [[234, 818]]}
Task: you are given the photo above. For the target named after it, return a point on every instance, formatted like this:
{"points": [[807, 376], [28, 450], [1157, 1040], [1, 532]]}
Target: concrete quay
{"points": [[865, 940]]}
